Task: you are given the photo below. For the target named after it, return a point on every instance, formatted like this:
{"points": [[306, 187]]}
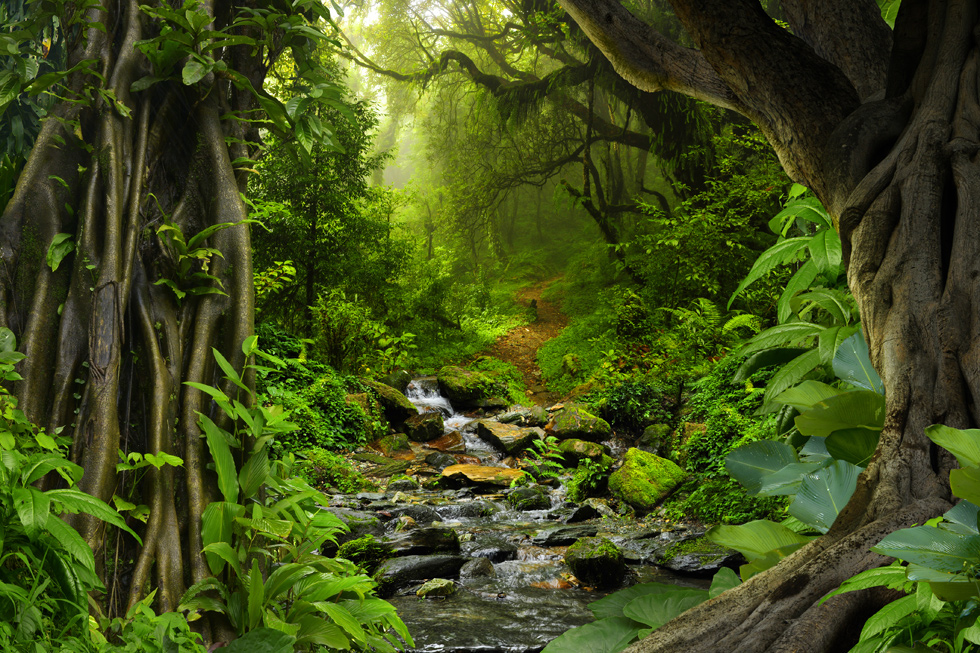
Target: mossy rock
{"points": [[529, 498], [576, 450], [425, 427], [397, 408], [366, 552], [436, 588], [389, 468], [596, 562], [465, 388], [645, 479], [655, 438], [374, 425], [574, 422], [391, 443], [589, 480], [399, 380]]}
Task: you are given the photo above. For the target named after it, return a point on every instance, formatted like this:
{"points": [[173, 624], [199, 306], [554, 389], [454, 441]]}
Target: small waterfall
{"points": [[424, 393]]}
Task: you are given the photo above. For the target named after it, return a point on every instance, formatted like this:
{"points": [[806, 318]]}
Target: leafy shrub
{"points": [[720, 501], [322, 469], [632, 405], [504, 374]]}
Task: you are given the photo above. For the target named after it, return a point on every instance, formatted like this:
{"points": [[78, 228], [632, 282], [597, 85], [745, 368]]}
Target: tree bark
{"points": [[891, 151]]}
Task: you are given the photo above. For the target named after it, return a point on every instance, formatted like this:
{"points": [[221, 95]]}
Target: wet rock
{"points": [[564, 535], [399, 380], [421, 514], [389, 444], [365, 552], [507, 438], [601, 505], [529, 498], [597, 562], [699, 557], [440, 460], [422, 541], [481, 476], [402, 485], [582, 513], [436, 588], [576, 450], [494, 549], [492, 403], [359, 523], [478, 568], [424, 427], [404, 523], [655, 439], [468, 510], [464, 388], [396, 406], [400, 572], [451, 442], [369, 496], [390, 468], [645, 479], [573, 422]]}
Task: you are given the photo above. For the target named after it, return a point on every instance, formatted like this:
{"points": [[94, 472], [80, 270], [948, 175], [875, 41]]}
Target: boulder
{"points": [[468, 510], [451, 442], [421, 514], [436, 588], [478, 568], [440, 460], [591, 478], [422, 541], [481, 476], [564, 535], [360, 524], [400, 572], [529, 498], [597, 562], [365, 552], [494, 549], [576, 450], [699, 557], [425, 427], [573, 422], [645, 479], [397, 408], [399, 380], [655, 439], [507, 438], [464, 388], [389, 444], [402, 485]]}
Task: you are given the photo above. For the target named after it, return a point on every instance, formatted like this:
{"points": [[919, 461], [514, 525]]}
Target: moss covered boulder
{"points": [[645, 479], [507, 438], [464, 388], [576, 450], [397, 408], [529, 498], [477, 475], [389, 444], [424, 427], [366, 552], [655, 438], [597, 562], [374, 424], [574, 422], [436, 588]]}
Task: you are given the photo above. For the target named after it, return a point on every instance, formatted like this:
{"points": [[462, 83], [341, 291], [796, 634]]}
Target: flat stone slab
{"points": [[506, 437], [451, 442], [479, 475], [399, 572], [564, 535]]}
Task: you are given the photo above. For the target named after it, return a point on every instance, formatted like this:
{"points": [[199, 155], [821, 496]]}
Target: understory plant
{"points": [[263, 543]]}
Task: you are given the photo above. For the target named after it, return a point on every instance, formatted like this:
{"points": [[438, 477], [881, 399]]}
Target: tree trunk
{"points": [[902, 176], [101, 313]]}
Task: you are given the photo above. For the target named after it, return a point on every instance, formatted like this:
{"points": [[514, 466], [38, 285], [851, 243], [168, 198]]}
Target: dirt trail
{"points": [[519, 346]]}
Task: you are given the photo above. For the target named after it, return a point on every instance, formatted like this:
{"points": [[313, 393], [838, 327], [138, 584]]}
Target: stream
{"points": [[522, 595]]}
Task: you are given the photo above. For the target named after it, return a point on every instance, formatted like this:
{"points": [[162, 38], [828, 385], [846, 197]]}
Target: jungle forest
{"points": [[490, 326]]}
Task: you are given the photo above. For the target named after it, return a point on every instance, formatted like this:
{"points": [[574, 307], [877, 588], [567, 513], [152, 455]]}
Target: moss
{"points": [[596, 561], [463, 387], [645, 480], [575, 422], [323, 469], [366, 552]]}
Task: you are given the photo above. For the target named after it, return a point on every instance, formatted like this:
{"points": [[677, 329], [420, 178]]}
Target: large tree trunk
{"points": [[108, 351], [898, 169]]}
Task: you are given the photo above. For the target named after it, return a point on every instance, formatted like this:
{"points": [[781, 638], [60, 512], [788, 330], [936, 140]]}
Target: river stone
{"points": [[529, 498], [645, 479], [400, 572], [436, 588], [402, 485], [422, 541], [464, 388], [564, 535], [421, 514], [397, 408], [582, 513], [494, 549], [481, 476], [506, 437], [468, 510], [478, 568], [573, 422], [451, 442], [390, 468], [359, 523], [424, 427], [440, 460], [699, 557], [576, 450], [596, 562], [399, 380], [655, 438], [389, 444]]}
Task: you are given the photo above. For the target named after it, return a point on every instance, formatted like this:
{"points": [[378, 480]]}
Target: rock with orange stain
{"points": [[479, 475], [451, 442]]}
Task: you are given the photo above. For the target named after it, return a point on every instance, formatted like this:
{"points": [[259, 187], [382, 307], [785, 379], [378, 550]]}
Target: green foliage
{"points": [[366, 552], [504, 374], [262, 541], [324, 469], [632, 405], [586, 481], [546, 460]]}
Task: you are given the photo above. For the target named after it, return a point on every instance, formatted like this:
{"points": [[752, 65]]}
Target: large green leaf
{"points": [[751, 463], [224, 464], [262, 640], [858, 408], [825, 252], [852, 364], [756, 538], [256, 595], [799, 282], [831, 340], [654, 610], [609, 635], [806, 208], [71, 542], [254, 473], [786, 481], [794, 333], [933, 548], [33, 508], [216, 526], [962, 443], [833, 302], [766, 358], [889, 616], [723, 580], [792, 373], [808, 394], [782, 253], [965, 514], [824, 493], [612, 605], [77, 501], [853, 445], [965, 483]]}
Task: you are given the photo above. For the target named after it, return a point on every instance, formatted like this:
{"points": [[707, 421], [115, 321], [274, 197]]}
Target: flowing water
{"points": [[530, 597]]}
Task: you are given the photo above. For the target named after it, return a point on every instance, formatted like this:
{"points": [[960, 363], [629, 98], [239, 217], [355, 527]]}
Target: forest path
{"points": [[519, 346]]}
